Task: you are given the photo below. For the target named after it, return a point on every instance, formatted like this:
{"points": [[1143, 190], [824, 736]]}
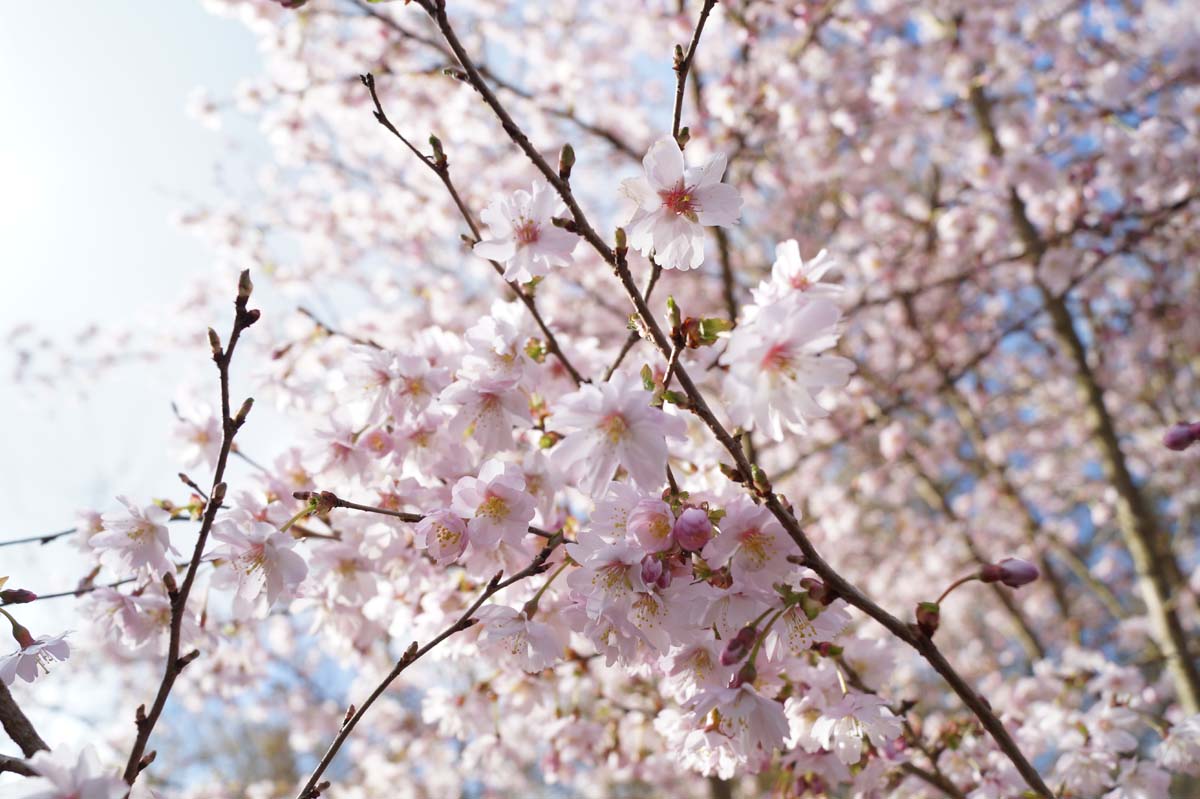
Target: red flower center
{"points": [[680, 201], [526, 232]]}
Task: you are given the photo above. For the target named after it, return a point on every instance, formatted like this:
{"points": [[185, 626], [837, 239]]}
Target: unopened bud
{"points": [[746, 675], [655, 573], [928, 617], [243, 411], [17, 596], [245, 286], [214, 341], [693, 529], [439, 154], [1182, 435], [622, 243], [566, 161], [23, 636], [738, 646], [1013, 572], [817, 590], [827, 649]]}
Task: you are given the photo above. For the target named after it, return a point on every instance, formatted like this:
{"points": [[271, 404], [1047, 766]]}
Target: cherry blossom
{"points": [[34, 656], [611, 425], [443, 534], [844, 725], [674, 204], [535, 645], [67, 775], [136, 539], [259, 565], [523, 236], [777, 367], [495, 504]]}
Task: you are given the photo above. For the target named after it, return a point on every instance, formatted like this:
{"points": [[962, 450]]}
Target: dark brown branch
{"points": [[699, 405], [17, 766], [684, 64], [230, 424], [18, 726], [415, 653]]}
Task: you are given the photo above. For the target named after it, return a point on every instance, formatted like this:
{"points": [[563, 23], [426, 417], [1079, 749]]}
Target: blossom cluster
{"points": [[922, 268]]}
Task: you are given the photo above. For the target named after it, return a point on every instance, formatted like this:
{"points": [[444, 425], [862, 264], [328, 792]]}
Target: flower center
{"points": [[800, 282], [755, 545], [680, 201], [778, 358], [614, 427], [526, 231], [445, 536], [254, 558], [493, 507]]}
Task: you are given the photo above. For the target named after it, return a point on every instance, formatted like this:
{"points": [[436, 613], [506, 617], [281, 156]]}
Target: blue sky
{"points": [[96, 152]]}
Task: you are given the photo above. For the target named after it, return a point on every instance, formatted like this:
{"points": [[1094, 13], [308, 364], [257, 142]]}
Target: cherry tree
{"points": [[730, 400]]}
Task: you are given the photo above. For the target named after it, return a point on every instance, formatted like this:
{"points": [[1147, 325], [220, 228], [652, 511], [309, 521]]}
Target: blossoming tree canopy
{"points": [[703, 400]]}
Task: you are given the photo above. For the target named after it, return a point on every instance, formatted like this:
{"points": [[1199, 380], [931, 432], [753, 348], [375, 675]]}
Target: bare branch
{"points": [[230, 424]]}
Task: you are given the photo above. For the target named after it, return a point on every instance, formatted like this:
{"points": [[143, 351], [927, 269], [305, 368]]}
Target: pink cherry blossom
{"points": [[443, 534], [777, 365], [650, 523], [259, 564], [495, 504], [33, 658], [508, 632], [522, 235], [843, 726], [611, 425], [751, 721], [752, 542], [137, 539], [673, 205], [64, 774]]}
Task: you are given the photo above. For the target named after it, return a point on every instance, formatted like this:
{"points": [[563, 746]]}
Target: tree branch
{"points": [[18, 726], [313, 787]]}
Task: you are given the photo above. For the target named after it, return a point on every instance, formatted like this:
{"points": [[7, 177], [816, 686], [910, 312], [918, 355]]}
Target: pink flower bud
{"points": [[650, 522], [738, 646], [655, 573], [1013, 572], [23, 636], [693, 529], [17, 596], [1182, 435]]}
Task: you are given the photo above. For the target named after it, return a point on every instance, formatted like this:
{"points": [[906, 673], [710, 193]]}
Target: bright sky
{"points": [[96, 152]]}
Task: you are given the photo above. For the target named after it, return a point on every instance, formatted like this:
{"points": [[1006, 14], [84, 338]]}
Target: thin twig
{"points": [[334, 501], [38, 539], [230, 424]]}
